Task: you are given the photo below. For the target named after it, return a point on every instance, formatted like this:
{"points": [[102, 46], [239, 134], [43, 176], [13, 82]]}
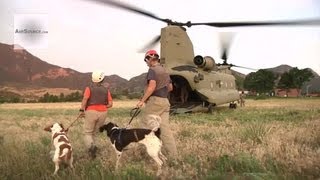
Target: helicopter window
{"points": [[218, 83]]}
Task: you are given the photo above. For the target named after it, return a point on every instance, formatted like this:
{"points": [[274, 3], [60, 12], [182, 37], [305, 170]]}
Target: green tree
{"points": [[295, 78], [261, 81], [61, 97], [239, 82], [45, 98], [49, 98], [53, 98], [73, 97], [15, 99]]}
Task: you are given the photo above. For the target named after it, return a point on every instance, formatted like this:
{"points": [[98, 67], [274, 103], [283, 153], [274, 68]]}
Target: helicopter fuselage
{"points": [[205, 82]]}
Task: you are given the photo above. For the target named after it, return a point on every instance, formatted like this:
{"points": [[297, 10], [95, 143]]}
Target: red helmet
{"points": [[151, 54]]}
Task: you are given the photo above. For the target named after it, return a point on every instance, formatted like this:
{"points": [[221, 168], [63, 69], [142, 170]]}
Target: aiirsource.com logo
{"points": [[31, 30]]}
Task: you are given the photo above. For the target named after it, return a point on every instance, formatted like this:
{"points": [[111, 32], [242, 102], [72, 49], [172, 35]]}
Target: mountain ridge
{"points": [[286, 68], [21, 69], [309, 87]]}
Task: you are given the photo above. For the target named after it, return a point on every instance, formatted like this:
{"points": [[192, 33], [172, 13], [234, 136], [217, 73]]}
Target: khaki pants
{"points": [[93, 120], [161, 107]]}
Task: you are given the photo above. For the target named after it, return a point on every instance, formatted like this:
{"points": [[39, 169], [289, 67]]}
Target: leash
{"points": [[133, 113], [73, 123]]}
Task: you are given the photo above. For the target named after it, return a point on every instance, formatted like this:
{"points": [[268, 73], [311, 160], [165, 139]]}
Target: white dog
{"points": [[61, 143]]}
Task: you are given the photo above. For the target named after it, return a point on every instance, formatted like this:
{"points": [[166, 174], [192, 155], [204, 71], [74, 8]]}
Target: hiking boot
{"points": [[93, 152]]}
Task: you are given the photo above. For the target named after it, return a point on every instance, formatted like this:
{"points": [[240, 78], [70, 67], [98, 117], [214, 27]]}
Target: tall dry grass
{"points": [[267, 139]]}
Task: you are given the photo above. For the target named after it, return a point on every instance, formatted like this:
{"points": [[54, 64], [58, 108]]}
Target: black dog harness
{"points": [[120, 133], [119, 136]]}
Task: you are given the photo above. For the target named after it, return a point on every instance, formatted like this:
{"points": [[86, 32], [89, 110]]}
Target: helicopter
{"points": [[200, 84]]}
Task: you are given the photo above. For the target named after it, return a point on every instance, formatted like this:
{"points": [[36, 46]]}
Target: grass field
{"points": [[267, 139]]}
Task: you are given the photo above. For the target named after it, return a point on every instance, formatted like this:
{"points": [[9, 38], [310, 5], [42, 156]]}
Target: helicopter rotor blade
{"points": [[150, 44], [260, 23], [224, 63], [232, 65], [226, 39], [224, 56], [132, 9]]}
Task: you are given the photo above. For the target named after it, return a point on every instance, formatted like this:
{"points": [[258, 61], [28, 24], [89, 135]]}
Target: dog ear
{"points": [[61, 125], [48, 128], [108, 128], [111, 125]]}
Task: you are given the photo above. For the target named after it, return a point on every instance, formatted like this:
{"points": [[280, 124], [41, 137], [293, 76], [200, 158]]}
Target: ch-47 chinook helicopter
{"points": [[199, 82]]}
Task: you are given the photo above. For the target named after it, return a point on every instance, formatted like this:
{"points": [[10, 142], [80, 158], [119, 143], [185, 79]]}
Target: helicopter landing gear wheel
{"points": [[233, 106], [210, 108]]}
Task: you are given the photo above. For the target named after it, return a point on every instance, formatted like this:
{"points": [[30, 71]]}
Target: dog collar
{"points": [[57, 134], [114, 128]]}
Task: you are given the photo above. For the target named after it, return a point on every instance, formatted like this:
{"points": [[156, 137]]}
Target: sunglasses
{"points": [[147, 58]]}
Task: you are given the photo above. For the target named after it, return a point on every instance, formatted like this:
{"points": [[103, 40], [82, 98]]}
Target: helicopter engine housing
{"points": [[207, 63]]}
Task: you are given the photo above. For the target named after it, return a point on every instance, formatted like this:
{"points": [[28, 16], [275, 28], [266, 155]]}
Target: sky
{"points": [[86, 36]]}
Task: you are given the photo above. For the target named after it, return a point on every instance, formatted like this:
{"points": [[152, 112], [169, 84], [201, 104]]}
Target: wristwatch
{"points": [[81, 110]]}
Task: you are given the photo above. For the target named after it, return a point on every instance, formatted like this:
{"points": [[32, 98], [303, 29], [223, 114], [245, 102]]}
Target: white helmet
{"points": [[97, 76]]}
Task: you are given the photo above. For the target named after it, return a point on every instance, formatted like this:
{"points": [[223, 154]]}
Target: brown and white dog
{"points": [[61, 143], [121, 137]]}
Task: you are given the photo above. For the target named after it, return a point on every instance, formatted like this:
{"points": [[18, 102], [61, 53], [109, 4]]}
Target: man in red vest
{"points": [[96, 101]]}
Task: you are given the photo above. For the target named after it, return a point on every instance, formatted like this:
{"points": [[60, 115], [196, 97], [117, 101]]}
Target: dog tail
{"points": [[66, 153]]}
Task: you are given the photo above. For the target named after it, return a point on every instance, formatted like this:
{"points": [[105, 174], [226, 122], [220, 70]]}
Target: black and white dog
{"points": [[121, 137]]}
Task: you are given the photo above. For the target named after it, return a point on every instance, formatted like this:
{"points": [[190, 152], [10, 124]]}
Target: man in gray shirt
{"points": [[158, 85]]}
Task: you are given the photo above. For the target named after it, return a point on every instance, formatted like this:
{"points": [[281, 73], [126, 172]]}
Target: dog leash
{"points": [[133, 113], [73, 122]]}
